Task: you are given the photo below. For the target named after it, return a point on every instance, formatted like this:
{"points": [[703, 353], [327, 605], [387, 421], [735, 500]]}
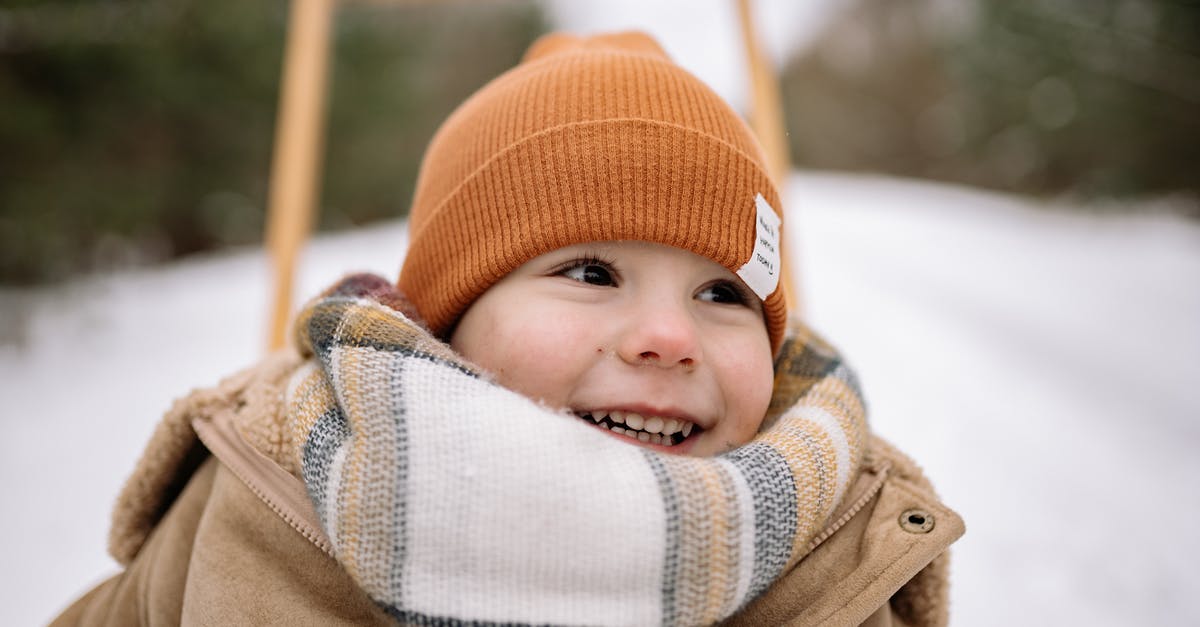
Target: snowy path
{"points": [[1041, 365]]}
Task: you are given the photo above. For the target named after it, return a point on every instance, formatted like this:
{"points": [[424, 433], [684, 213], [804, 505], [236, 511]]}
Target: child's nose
{"points": [[663, 336]]}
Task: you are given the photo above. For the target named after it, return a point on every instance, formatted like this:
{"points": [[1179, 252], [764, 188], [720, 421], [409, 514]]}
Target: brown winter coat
{"points": [[232, 540]]}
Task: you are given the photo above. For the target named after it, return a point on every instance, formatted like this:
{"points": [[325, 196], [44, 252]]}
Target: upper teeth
{"points": [[649, 424]]}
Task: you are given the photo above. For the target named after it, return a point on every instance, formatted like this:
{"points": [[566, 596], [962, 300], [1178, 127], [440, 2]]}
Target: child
{"points": [[583, 405]]}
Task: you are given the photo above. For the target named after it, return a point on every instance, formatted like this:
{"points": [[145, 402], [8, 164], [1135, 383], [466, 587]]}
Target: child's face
{"points": [[621, 328]]}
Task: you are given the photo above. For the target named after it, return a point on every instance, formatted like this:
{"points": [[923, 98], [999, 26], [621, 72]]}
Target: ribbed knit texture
{"points": [[453, 501], [586, 140]]}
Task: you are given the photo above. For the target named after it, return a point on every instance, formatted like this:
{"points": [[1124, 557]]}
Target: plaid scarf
{"points": [[452, 500]]}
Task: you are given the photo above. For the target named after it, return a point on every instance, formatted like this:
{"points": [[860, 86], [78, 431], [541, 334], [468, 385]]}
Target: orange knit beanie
{"points": [[589, 139]]}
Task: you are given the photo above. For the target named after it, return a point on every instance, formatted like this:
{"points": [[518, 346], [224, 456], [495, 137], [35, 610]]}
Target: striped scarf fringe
{"points": [[451, 500]]}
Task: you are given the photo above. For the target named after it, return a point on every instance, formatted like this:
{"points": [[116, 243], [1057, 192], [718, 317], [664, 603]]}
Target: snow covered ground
{"points": [[1043, 367], [1041, 364]]}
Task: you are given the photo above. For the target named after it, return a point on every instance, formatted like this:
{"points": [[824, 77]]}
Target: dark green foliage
{"points": [[140, 130], [1096, 97], [399, 73]]}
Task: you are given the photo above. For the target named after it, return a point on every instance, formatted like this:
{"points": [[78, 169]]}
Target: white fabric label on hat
{"points": [[761, 272]]}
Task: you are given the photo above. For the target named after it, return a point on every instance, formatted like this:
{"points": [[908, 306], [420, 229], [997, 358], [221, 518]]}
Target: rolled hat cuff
{"points": [[606, 180]]}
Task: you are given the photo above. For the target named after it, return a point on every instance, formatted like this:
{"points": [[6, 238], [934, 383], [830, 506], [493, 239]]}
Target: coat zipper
{"points": [[880, 469], [279, 489]]}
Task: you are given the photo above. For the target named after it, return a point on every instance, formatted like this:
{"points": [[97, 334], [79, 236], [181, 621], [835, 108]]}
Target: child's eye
{"points": [[590, 271], [724, 292]]}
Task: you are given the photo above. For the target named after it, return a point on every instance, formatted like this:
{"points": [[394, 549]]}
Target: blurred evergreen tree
{"points": [[400, 71], [138, 130], [1094, 97]]}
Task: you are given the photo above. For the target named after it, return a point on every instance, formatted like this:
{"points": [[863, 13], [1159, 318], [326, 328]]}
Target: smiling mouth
{"points": [[646, 429]]}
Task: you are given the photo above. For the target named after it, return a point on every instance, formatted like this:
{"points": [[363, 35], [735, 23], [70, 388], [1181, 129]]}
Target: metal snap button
{"points": [[916, 521]]}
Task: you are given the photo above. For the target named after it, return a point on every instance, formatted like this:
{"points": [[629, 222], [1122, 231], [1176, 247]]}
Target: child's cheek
{"points": [[544, 354], [747, 378]]}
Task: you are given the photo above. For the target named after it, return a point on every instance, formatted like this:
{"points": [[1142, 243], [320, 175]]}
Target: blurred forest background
{"points": [[133, 131]]}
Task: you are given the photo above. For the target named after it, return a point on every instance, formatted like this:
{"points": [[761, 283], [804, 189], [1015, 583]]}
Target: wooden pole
{"points": [[766, 118], [299, 142]]}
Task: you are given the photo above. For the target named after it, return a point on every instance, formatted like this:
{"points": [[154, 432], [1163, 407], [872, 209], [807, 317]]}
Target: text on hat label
{"points": [[761, 271]]}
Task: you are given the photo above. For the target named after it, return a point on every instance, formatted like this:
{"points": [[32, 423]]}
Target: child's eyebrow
{"points": [[599, 254]]}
